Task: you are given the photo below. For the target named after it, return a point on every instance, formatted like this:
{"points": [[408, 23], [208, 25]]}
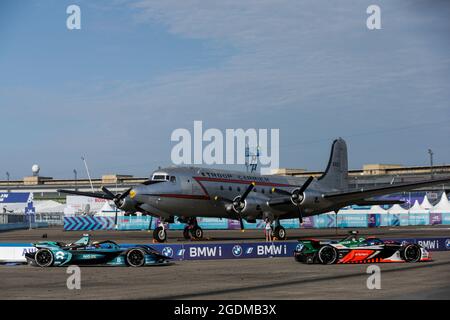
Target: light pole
{"points": [[430, 152], [7, 178], [75, 176], [87, 170]]}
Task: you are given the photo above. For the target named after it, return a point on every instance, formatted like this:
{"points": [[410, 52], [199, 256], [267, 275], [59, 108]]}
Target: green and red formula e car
{"points": [[353, 249], [85, 252]]}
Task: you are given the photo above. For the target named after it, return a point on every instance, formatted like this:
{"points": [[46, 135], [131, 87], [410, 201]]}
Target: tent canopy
{"points": [[443, 205], [417, 208], [426, 203], [396, 209]]}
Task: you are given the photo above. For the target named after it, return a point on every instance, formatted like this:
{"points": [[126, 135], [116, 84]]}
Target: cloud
{"points": [[292, 54]]}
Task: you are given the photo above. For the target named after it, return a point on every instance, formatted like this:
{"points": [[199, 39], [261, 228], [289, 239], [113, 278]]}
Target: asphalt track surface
{"points": [[271, 278]]}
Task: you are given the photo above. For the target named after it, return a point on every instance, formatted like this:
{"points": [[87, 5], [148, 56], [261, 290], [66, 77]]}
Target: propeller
{"points": [[295, 197], [238, 203], [106, 194], [117, 198]]}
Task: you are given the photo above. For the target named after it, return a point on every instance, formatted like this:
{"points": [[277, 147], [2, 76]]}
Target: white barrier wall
{"points": [[14, 252]]}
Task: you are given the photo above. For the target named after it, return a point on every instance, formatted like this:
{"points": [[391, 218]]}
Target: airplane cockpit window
{"points": [[173, 179], [158, 176]]}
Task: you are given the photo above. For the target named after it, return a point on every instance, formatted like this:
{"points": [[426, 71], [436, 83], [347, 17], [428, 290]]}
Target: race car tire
{"points": [[44, 258], [160, 234], [279, 233], [197, 232], [412, 253], [135, 258], [186, 233], [327, 255]]}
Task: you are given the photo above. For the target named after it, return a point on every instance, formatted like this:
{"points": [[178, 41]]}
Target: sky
{"points": [[116, 89]]}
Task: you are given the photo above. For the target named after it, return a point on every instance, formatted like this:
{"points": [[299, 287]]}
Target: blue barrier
{"points": [[445, 218], [327, 220], [22, 225], [78, 223], [202, 251]]}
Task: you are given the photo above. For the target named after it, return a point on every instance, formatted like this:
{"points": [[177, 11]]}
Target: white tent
{"points": [[397, 209], [376, 209], [45, 206], [107, 210], [70, 211], [417, 208], [426, 203], [443, 206]]}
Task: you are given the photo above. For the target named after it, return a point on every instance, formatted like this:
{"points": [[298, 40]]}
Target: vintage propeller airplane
{"points": [[190, 192]]}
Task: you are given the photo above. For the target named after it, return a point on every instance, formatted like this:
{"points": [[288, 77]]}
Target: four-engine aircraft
{"points": [[190, 192]]}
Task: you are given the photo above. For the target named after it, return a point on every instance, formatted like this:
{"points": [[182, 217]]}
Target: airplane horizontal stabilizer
{"points": [[378, 202], [360, 195]]}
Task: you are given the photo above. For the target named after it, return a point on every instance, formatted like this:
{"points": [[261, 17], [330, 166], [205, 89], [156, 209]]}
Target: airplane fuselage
{"points": [[191, 191]]}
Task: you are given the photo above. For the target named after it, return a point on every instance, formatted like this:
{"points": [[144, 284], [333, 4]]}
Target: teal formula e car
{"points": [[85, 252]]}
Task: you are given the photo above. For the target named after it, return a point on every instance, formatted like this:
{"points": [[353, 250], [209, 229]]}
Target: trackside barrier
{"points": [[326, 220], [15, 252], [19, 226]]}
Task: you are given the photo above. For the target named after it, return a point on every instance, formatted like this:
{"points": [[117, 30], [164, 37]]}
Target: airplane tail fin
{"points": [[336, 173]]}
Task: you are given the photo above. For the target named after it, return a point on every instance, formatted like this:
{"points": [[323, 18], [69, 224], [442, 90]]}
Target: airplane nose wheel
{"points": [[160, 234]]}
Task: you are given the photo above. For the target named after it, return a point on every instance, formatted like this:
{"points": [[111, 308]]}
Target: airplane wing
{"points": [[357, 196], [378, 202], [87, 194]]}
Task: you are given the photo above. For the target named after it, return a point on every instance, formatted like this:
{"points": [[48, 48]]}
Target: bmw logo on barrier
{"points": [[167, 251], [237, 250], [447, 244]]}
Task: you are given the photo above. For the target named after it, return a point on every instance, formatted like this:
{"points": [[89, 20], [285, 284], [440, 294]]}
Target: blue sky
{"points": [[116, 89]]}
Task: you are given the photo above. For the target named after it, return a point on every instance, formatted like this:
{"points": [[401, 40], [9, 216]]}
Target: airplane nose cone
{"points": [[133, 194]]}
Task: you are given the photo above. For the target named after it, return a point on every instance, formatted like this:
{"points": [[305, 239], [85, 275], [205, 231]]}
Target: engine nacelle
{"points": [[128, 205], [250, 207], [311, 199]]}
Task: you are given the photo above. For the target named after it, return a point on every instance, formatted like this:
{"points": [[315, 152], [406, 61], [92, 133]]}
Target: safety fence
{"points": [[328, 220], [10, 221], [15, 252]]}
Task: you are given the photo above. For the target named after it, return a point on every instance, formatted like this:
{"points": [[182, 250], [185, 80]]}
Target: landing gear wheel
{"points": [[160, 234], [186, 233], [279, 233], [197, 232], [327, 255], [412, 253], [43, 258], [135, 258]]}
